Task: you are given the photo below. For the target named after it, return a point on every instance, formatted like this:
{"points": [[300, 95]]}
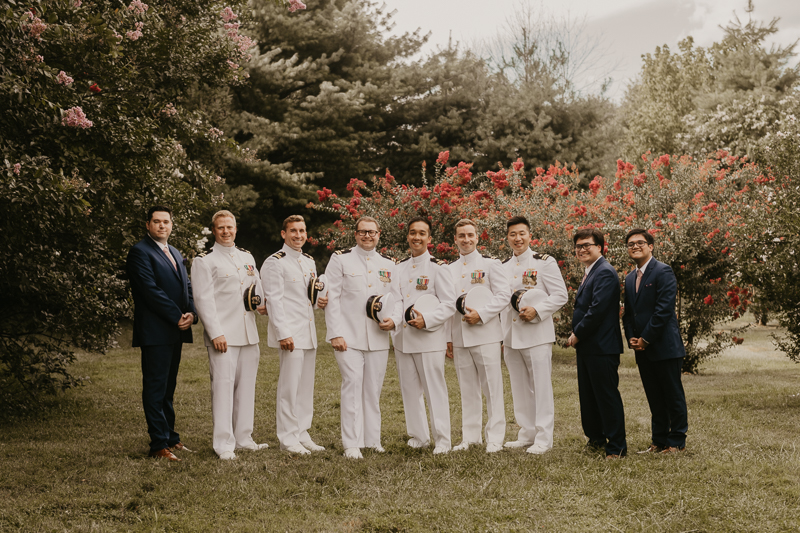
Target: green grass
{"points": [[82, 465]]}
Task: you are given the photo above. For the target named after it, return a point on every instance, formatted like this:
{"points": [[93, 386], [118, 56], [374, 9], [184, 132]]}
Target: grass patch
{"points": [[82, 465]]}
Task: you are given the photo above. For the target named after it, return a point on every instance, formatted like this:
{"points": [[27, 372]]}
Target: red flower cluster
{"points": [[324, 194], [708, 300], [443, 157]]}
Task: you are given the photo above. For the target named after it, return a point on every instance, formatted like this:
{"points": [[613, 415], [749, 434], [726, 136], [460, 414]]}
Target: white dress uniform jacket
{"points": [[467, 272], [422, 271], [220, 278], [353, 276], [531, 270], [285, 276]]}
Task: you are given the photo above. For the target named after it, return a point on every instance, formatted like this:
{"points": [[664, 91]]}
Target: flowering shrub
{"points": [[695, 210]]}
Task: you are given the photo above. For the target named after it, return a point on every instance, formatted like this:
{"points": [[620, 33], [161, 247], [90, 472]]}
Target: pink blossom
{"points": [[39, 58], [63, 79], [518, 165], [232, 65], [36, 27], [443, 157], [17, 166], [77, 3], [296, 5], [228, 15], [137, 33], [169, 110], [138, 7], [74, 117]]}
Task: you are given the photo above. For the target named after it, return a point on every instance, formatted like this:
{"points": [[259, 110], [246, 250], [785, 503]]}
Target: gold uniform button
{"points": [[515, 277], [370, 285], [515, 320], [463, 276], [462, 290], [408, 296], [369, 271], [405, 326], [463, 320]]}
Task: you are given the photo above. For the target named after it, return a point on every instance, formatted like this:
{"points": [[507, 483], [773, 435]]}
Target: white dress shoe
{"points": [[461, 447], [416, 443], [311, 446], [353, 453], [441, 449], [255, 447], [538, 449], [493, 447], [297, 448], [517, 444], [378, 448], [227, 456]]}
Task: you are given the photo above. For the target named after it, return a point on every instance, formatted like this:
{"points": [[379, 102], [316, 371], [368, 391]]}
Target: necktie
{"points": [[171, 259], [638, 278], [585, 274]]}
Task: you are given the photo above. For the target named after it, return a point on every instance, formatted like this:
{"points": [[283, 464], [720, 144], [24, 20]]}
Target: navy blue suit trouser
{"points": [[159, 377], [662, 386], [602, 414]]}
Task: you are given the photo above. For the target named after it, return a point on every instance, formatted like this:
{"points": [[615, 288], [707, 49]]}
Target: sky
{"points": [[625, 29]]}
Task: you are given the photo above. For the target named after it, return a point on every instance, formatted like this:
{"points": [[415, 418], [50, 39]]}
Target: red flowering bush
{"points": [[696, 210]]}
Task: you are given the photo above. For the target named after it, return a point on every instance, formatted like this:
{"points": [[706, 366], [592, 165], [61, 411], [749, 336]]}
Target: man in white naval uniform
{"points": [[361, 345], [285, 276], [528, 338], [220, 279], [474, 341], [420, 352]]}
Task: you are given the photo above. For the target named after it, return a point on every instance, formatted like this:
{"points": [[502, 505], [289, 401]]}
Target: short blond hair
{"points": [[221, 214], [466, 222], [292, 218], [368, 219]]}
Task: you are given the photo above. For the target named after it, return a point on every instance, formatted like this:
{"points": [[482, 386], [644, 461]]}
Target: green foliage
{"points": [[95, 129]]}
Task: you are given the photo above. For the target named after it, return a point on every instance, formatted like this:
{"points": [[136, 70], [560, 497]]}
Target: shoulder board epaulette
{"points": [[278, 255], [243, 250], [340, 252], [488, 256], [392, 259], [438, 261], [507, 260], [305, 254], [404, 260], [203, 254], [537, 255]]}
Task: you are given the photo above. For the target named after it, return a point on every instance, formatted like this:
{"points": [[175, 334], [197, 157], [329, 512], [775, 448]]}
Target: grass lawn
{"points": [[82, 466]]}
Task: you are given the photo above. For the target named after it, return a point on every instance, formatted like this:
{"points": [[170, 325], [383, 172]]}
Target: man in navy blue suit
{"points": [[651, 328], [162, 320], [597, 339]]}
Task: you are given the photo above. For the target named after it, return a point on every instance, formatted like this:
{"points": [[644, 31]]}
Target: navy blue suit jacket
{"points": [[160, 295], [595, 319], [650, 313]]}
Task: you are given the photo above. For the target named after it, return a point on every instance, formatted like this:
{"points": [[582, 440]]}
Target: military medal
{"points": [[529, 278], [422, 283], [251, 270], [385, 276], [478, 276]]}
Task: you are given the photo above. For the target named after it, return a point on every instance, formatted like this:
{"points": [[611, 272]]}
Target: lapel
{"points": [[630, 285], [592, 272], [651, 266], [163, 258]]}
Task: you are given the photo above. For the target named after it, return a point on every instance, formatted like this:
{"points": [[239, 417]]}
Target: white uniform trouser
{"points": [[532, 390], [478, 369], [233, 394], [362, 381], [295, 405], [424, 373]]}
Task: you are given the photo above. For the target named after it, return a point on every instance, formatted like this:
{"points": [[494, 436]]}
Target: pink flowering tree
{"points": [[104, 110], [695, 210]]}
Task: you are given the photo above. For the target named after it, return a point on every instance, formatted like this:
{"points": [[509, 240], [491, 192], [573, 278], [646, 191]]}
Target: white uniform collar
{"points": [[421, 258], [364, 253], [527, 254], [470, 257], [229, 250], [291, 252]]}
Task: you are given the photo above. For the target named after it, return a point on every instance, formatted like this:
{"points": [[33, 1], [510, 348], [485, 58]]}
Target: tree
{"points": [[97, 124]]}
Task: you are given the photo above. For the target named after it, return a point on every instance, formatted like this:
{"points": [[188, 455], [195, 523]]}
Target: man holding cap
{"points": [[529, 336], [286, 276], [474, 340], [419, 338], [361, 344], [222, 279]]}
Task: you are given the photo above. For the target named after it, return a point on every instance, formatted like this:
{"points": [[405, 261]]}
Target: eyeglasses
{"points": [[365, 232], [579, 247], [636, 244]]}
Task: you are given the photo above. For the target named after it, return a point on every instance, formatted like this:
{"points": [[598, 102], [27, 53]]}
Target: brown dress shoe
{"points": [[673, 449], [614, 456], [164, 454], [652, 449], [180, 447]]}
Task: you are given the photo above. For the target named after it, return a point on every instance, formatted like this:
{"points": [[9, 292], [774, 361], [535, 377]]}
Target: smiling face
{"points": [[639, 250], [419, 236], [466, 239], [587, 251], [519, 237], [295, 235], [224, 231], [160, 226], [364, 240]]}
